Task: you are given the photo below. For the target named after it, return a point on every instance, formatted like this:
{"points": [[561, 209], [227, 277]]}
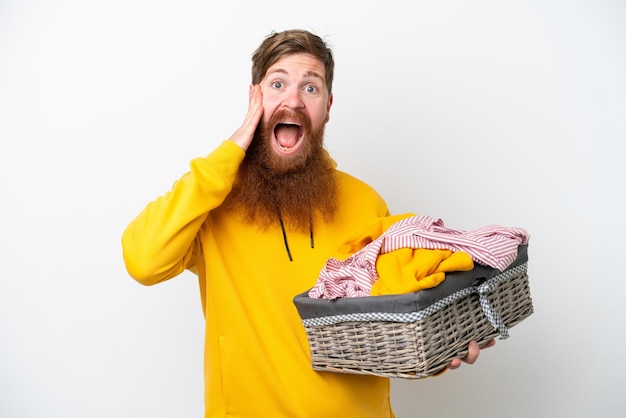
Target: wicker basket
{"points": [[396, 341]]}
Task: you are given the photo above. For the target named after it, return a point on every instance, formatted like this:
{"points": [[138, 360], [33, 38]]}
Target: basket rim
{"points": [[455, 282], [391, 316]]}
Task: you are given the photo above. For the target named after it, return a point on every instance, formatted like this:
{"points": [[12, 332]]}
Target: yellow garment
{"points": [[257, 358], [405, 270], [409, 270], [373, 230]]}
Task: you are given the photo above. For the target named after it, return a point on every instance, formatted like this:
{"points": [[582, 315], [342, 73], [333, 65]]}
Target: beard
{"points": [[297, 189]]}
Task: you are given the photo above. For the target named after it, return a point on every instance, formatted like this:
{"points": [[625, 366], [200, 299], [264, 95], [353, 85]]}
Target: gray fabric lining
{"points": [[412, 302]]}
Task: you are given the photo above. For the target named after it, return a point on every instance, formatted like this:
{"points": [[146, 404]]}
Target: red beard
{"points": [[299, 188], [278, 164]]}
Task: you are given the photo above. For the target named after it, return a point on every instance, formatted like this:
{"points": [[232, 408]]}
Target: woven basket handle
{"points": [[491, 314]]}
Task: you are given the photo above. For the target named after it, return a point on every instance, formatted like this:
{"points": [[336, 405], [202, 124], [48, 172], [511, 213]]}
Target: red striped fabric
{"points": [[492, 245]]}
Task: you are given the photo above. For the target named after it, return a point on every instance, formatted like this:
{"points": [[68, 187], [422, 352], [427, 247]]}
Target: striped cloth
{"points": [[492, 245]]}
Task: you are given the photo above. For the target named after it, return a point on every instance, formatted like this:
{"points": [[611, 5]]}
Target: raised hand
{"points": [[244, 135]]}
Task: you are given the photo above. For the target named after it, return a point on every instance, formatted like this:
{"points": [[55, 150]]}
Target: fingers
{"points": [[455, 364], [488, 344], [255, 106], [255, 98], [254, 91], [244, 135], [473, 352], [255, 109]]}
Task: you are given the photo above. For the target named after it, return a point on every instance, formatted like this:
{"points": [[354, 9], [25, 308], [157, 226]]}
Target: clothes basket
{"points": [[416, 335]]}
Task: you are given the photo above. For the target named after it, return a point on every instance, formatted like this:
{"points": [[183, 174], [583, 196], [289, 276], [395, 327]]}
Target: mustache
{"points": [[290, 115], [260, 152]]}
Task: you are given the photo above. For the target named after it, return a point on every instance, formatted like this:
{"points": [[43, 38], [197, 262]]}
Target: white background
{"points": [[477, 112]]}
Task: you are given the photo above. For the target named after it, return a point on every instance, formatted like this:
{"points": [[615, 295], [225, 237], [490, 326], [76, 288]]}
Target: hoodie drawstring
{"points": [[282, 228], [311, 229]]}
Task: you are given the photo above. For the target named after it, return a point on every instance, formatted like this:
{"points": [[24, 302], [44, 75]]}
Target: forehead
{"points": [[298, 65]]}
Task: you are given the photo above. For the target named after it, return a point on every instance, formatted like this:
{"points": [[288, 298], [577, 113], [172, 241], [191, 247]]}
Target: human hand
{"points": [[244, 135], [472, 355]]}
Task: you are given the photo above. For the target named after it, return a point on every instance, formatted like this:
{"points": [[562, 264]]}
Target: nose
{"points": [[293, 99]]}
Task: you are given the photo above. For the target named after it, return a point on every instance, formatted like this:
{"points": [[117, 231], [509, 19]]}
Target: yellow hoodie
{"points": [[256, 352]]}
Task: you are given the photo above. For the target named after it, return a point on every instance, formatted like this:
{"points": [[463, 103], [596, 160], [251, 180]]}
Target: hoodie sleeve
{"points": [[161, 242]]}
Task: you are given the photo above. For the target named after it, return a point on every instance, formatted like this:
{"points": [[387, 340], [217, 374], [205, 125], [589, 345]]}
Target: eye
{"points": [[310, 89], [277, 84]]}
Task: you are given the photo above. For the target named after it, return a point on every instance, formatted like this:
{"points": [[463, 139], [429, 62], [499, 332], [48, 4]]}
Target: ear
{"points": [[328, 106]]}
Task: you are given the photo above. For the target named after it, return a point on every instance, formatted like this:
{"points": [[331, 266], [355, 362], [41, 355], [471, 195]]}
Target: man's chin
{"points": [[281, 162], [285, 165]]}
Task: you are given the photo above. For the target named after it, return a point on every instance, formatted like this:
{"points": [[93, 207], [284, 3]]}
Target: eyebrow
{"points": [[309, 73]]}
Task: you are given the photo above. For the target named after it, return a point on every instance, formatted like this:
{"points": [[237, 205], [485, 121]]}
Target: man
{"points": [[256, 219]]}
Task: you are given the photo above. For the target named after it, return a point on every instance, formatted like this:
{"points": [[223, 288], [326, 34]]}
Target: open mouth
{"points": [[288, 137]]}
